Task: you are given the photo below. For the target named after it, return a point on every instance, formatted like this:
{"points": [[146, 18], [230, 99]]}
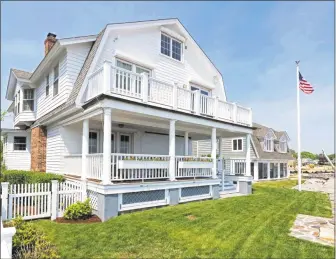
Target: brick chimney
{"points": [[49, 42]]}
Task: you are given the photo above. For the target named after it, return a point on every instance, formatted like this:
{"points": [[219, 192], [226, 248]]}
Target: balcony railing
{"points": [[118, 81]]}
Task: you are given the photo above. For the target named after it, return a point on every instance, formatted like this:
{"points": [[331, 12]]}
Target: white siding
{"points": [[144, 45], [55, 150], [70, 64], [204, 148], [15, 159], [48, 103]]}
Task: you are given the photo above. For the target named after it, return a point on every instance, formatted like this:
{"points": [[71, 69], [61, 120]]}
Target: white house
{"points": [[268, 150], [120, 109]]}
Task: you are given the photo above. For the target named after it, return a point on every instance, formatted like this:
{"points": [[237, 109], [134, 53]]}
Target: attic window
{"points": [[171, 47], [268, 144]]}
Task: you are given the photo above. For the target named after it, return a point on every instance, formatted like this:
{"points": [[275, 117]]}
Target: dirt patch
{"points": [[92, 219], [191, 217]]}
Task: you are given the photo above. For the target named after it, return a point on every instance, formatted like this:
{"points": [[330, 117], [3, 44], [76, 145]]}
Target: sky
{"points": [[253, 44]]}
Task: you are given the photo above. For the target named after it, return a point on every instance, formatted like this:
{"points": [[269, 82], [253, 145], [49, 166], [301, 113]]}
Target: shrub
{"points": [[79, 210], [311, 166], [21, 177], [30, 242]]}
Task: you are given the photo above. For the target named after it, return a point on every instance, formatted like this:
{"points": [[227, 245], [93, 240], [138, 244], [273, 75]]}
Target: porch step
{"points": [[229, 186]]}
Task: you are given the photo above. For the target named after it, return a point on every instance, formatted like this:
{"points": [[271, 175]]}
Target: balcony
{"points": [[116, 81]]}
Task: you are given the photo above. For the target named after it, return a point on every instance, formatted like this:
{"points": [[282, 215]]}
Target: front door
{"points": [[125, 143]]}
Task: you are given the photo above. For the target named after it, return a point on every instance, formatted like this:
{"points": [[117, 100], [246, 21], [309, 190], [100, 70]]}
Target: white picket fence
{"points": [[41, 200]]}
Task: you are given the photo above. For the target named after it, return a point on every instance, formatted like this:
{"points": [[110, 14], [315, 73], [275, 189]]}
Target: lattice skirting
{"points": [[195, 193], [93, 199], [144, 199]]}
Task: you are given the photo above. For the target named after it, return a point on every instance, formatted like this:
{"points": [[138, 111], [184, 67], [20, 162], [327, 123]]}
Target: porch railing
{"points": [[114, 80], [139, 167], [234, 166], [73, 164], [192, 166], [95, 166]]}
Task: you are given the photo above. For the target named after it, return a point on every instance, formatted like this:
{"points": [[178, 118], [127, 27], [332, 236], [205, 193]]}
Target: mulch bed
{"points": [[93, 219]]}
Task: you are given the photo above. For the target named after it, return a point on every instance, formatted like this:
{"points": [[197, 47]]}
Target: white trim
{"points": [[77, 40], [173, 34], [121, 55], [254, 148], [238, 150]]}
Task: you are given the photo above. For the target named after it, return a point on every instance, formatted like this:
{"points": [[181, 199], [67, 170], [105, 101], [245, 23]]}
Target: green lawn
{"points": [[254, 226]]}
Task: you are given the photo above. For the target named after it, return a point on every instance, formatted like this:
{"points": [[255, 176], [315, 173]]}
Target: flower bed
{"points": [[92, 219]]}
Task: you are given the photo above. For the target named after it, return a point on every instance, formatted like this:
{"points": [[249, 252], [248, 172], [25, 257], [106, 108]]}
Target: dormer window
{"points": [[269, 141], [171, 47], [283, 145], [56, 73]]}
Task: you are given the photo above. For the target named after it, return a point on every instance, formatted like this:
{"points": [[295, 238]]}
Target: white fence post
{"points": [[4, 198], [84, 190], [175, 96], [7, 241], [216, 108], [54, 200], [197, 103], [250, 117], [107, 77], [144, 86]]}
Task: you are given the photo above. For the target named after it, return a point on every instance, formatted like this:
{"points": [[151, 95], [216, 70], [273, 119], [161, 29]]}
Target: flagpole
{"points": [[298, 123]]}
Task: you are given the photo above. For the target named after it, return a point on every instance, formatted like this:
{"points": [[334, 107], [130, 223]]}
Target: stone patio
{"points": [[317, 229]]}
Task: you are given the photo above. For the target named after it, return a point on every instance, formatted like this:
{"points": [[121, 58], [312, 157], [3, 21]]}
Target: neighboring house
{"points": [[268, 153], [122, 107]]}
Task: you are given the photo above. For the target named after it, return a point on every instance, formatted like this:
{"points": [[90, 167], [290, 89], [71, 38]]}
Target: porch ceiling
{"points": [[133, 122]]}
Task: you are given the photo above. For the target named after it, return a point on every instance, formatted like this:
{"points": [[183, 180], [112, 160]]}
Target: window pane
{"points": [[176, 50], [19, 143], [56, 73], [240, 144], [165, 45], [28, 94], [28, 105], [113, 149], [124, 65], [56, 87], [125, 144], [93, 142], [193, 88], [234, 144]]}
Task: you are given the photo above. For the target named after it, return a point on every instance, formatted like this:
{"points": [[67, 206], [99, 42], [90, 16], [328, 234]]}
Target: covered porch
{"points": [[111, 146]]}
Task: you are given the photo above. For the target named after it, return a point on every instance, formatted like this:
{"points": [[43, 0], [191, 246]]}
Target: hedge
{"points": [[21, 177]]}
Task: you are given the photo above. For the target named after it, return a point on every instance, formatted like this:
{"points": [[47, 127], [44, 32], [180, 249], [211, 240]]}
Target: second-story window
{"points": [[237, 144], [56, 73], [28, 100], [171, 47], [18, 102], [282, 146], [47, 85]]}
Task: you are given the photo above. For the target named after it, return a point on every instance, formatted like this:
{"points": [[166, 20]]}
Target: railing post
{"points": [[197, 103], [172, 150], [278, 170], [255, 170], [175, 96], [216, 108], [234, 112], [4, 195], [54, 199], [248, 155], [186, 143], [107, 77], [213, 152], [84, 190], [85, 147], [107, 146], [250, 117], [268, 170], [144, 86]]}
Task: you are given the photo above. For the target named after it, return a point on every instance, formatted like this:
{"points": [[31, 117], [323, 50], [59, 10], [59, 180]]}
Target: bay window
{"points": [[171, 47], [28, 100]]}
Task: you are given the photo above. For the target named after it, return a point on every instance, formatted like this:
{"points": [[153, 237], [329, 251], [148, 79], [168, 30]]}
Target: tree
{"points": [[331, 156], [306, 154], [2, 115]]}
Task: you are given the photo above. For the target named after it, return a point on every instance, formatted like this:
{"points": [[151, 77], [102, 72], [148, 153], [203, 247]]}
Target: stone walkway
{"points": [[316, 229]]}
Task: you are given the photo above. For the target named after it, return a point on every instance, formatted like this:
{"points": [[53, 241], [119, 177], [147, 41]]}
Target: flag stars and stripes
{"points": [[304, 85]]}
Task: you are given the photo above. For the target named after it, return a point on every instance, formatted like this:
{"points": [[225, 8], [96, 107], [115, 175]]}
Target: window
{"points": [[15, 105], [18, 103], [20, 143], [93, 142], [237, 144], [55, 92], [282, 146], [203, 91], [262, 170], [113, 144], [239, 168], [268, 144], [28, 99], [283, 169], [125, 144], [47, 85], [171, 47]]}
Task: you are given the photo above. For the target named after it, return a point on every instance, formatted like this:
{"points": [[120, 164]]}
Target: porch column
{"points": [[268, 170], [256, 171], [248, 155], [186, 143], [172, 150], [213, 152], [278, 170], [107, 146], [85, 147]]}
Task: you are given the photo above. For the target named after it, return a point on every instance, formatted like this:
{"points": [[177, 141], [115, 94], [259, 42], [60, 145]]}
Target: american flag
{"points": [[305, 86]]}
